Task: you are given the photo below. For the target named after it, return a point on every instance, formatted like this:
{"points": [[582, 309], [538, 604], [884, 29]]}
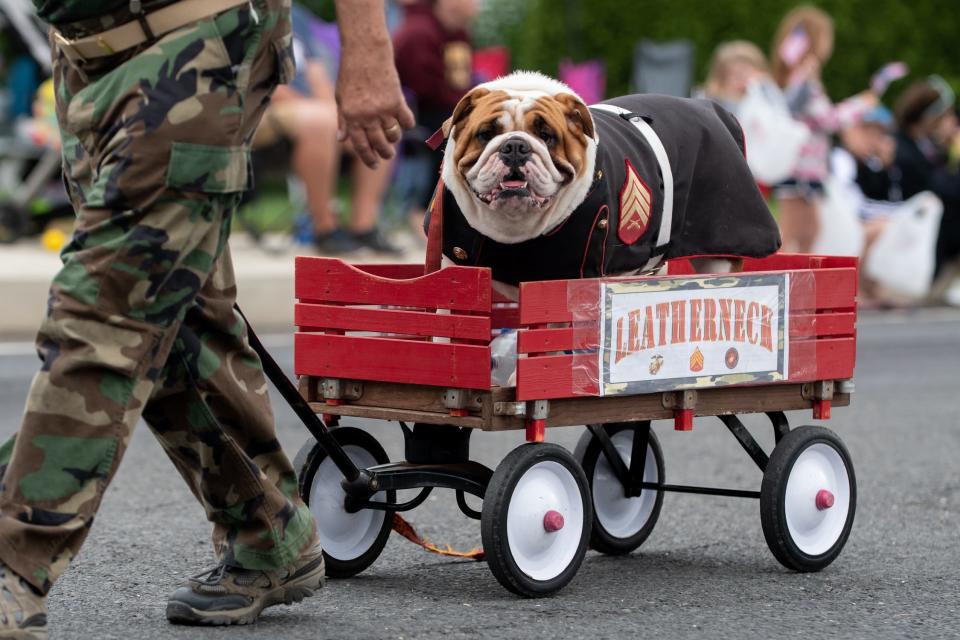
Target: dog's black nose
{"points": [[515, 151]]}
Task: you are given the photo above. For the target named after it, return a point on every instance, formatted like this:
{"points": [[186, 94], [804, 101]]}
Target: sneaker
{"points": [[335, 243], [23, 612], [376, 241], [228, 595]]}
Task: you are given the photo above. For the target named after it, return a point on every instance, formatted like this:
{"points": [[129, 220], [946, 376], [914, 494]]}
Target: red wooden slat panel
{"points": [[543, 302], [783, 262], [831, 358], [565, 376], [823, 289], [777, 262], [393, 271], [388, 360], [418, 323], [505, 317], [810, 325], [839, 262], [562, 339], [543, 340], [836, 289], [332, 280]]}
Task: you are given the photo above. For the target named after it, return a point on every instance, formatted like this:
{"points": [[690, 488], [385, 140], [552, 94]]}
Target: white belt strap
{"points": [[666, 219]]}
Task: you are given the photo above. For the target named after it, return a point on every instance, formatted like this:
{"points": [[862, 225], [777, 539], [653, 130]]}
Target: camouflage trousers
{"points": [[140, 320]]}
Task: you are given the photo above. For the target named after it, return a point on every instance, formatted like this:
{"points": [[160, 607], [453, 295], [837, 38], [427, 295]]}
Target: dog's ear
{"points": [[577, 113], [463, 109]]}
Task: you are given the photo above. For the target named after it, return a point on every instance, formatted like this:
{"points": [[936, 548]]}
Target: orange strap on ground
{"points": [[406, 530]]}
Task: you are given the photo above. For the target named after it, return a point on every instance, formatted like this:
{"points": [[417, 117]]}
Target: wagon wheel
{"points": [[808, 498], [351, 541], [620, 523], [536, 520]]}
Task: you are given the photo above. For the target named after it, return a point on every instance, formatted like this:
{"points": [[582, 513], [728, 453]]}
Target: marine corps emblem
{"points": [[636, 203], [732, 358]]}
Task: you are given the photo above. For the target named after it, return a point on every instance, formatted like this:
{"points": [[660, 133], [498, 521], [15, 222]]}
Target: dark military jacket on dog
{"points": [[717, 208]]}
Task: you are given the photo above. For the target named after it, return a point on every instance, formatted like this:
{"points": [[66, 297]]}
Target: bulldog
{"points": [[537, 185]]}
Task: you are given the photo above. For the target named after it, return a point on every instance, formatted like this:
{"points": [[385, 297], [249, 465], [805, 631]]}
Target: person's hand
{"points": [[869, 98], [372, 110]]}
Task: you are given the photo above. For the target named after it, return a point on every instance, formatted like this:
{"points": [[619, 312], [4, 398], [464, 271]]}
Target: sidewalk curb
{"points": [[265, 287]]}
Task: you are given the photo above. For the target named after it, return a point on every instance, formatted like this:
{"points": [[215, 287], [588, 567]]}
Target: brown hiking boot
{"points": [[230, 595], [23, 612]]}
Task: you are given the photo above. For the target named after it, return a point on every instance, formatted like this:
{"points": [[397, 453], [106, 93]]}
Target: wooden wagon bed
{"points": [[390, 342]]}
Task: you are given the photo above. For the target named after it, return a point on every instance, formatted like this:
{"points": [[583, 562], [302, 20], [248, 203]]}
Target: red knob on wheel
{"points": [[552, 521], [824, 499]]}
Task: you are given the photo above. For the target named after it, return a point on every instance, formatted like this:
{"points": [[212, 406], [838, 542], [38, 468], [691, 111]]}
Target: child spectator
{"points": [[734, 67], [803, 44]]}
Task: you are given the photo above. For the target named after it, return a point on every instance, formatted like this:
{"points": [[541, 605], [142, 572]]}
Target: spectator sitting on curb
{"points": [[928, 148], [303, 116], [864, 167]]}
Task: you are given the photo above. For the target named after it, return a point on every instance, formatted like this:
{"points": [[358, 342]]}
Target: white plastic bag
{"points": [[773, 137], [841, 232], [902, 258]]}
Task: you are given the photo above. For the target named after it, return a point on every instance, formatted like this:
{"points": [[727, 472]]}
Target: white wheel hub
{"points": [[620, 516], [344, 536], [817, 499], [542, 544]]}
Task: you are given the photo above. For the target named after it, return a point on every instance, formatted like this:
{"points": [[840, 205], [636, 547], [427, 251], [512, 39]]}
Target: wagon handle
{"points": [[356, 481]]}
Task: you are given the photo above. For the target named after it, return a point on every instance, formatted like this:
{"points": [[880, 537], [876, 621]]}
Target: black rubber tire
{"points": [[588, 454], [306, 463], [773, 517], [493, 523]]}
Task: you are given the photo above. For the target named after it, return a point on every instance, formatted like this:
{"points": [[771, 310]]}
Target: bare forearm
{"points": [[372, 109], [362, 23]]}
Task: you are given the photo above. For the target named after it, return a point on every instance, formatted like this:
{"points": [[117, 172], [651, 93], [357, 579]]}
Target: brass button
{"points": [[459, 253], [602, 224], [599, 174]]}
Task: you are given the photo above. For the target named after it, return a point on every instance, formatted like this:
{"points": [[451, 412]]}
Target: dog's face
{"points": [[520, 156]]}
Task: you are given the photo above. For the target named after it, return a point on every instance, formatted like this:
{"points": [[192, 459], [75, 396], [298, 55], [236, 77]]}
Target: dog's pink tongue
{"points": [[514, 184]]}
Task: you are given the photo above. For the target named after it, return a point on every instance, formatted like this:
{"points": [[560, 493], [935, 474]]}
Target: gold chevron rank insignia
{"points": [[636, 203]]}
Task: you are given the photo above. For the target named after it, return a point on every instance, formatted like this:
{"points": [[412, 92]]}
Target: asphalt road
{"points": [[705, 571]]}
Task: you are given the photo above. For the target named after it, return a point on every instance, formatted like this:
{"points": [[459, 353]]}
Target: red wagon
{"points": [[391, 342]]}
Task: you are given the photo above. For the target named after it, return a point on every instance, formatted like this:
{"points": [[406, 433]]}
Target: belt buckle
{"points": [[67, 47]]}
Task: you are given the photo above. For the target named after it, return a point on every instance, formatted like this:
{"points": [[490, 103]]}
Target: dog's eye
{"points": [[485, 135], [548, 138]]}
